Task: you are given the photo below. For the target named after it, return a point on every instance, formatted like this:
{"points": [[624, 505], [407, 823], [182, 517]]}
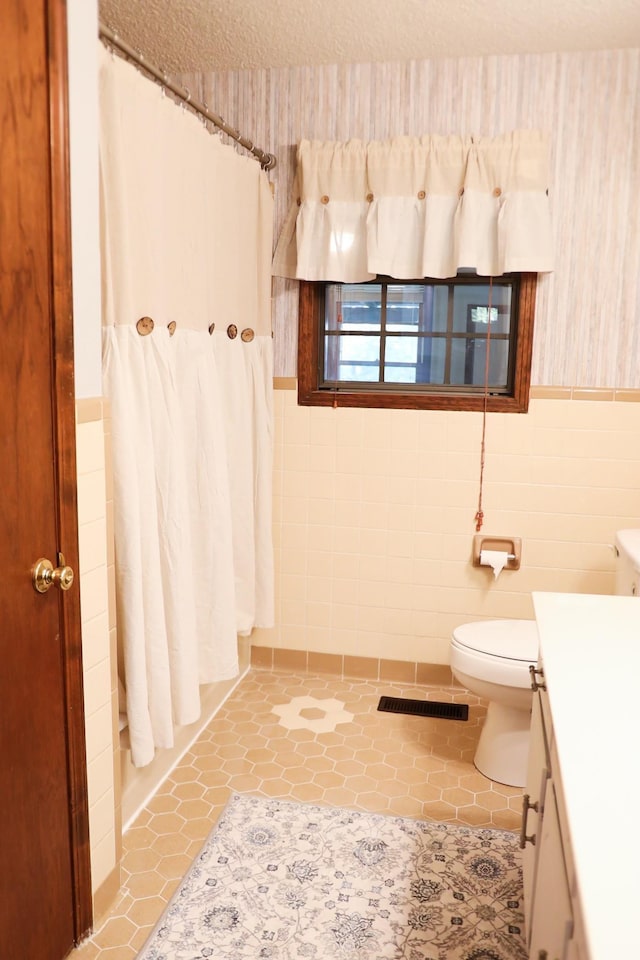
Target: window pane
{"points": [[469, 315], [468, 358], [357, 372], [437, 310], [352, 358], [405, 304], [401, 358], [399, 374], [417, 307], [414, 360], [434, 355], [354, 306]]}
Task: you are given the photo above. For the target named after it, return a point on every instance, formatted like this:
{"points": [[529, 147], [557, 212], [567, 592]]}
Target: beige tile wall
{"points": [[374, 518], [94, 535]]}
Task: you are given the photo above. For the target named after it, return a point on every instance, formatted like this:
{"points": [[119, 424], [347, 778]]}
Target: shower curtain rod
{"points": [[267, 160]]}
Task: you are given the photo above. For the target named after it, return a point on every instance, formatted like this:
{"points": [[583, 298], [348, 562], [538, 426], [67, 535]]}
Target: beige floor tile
{"points": [[147, 911], [387, 763], [118, 953], [148, 884]]}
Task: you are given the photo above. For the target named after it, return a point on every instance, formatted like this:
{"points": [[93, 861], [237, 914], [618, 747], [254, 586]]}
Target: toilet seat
{"points": [[496, 651], [508, 639]]}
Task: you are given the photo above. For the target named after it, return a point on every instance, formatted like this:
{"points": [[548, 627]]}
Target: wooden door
{"points": [[45, 888]]}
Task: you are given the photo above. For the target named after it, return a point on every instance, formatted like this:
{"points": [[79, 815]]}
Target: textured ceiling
{"points": [[182, 36]]}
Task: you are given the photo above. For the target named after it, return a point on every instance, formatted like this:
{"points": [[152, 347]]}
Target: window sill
{"points": [[406, 401]]}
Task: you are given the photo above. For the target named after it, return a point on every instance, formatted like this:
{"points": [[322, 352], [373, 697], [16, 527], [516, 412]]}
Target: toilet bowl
{"points": [[491, 658]]}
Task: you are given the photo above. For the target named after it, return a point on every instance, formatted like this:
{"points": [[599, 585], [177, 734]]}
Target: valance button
{"points": [[497, 192], [144, 326], [421, 194], [212, 327], [171, 327], [232, 331], [461, 191], [247, 335], [324, 199], [299, 201], [369, 198]]}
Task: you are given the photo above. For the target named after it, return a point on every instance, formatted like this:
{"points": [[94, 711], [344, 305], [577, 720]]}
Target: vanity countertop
{"points": [[590, 646]]}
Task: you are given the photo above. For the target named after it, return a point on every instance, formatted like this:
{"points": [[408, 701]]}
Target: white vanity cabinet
{"points": [[582, 872], [550, 912]]}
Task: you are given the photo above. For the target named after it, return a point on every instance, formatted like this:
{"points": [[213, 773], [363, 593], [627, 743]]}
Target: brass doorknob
{"points": [[45, 575]]}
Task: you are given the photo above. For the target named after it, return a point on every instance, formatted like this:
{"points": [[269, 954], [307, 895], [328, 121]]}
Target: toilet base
{"points": [[503, 749]]}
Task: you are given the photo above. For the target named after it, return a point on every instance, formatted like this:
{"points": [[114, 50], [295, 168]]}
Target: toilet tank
{"points": [[628, 563]]}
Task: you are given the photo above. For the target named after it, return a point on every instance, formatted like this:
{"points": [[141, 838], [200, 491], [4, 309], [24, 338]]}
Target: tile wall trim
{"points": [[550, 393], [592, 394], [285, 383], [585, 393], [104, 897], [90, 409], [345, 666], [536, 393]]}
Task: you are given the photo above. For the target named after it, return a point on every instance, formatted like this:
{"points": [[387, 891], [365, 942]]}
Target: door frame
{"points": [[64, 426]]}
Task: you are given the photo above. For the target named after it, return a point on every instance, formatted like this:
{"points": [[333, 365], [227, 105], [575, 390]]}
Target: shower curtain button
{"points": [[144, 326], [212, 327], [247, 335], [232, 331], [171, 327]]}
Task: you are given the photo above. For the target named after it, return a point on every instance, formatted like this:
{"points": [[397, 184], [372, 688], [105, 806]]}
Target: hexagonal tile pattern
{"points": [[315, 739], [310, 713]]}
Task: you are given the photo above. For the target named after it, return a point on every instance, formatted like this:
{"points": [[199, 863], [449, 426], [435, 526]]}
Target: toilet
{"points": [[491, 658]]}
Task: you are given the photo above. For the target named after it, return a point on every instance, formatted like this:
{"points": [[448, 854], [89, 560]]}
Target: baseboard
{"points": [[104, 897], [343, 666]]}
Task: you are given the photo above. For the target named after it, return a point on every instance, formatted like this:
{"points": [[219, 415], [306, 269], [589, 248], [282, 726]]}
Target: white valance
{"points": [[418, 207]]}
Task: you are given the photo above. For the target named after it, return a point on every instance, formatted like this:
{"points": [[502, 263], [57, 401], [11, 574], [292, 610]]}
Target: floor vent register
{"points": [[424, 708]]}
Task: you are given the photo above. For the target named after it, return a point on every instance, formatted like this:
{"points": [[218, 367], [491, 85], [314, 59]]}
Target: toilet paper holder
{"points": [[512, 546]]}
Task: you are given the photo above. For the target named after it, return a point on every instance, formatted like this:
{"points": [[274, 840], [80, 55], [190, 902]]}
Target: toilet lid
{"points": [[510, 639]]}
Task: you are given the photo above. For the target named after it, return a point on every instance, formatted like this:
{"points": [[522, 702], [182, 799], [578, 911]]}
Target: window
{"points": [[417, 344]]}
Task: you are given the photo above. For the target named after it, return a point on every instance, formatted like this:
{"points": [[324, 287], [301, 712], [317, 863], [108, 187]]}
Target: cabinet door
{"points": [[551, 922], [537, 776]]}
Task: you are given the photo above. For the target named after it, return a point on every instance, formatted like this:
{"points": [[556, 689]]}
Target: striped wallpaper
{"points": [[588, 310]]}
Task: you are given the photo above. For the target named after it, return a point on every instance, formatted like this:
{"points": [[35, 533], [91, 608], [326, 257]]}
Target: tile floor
{"points": [[308, 738]]}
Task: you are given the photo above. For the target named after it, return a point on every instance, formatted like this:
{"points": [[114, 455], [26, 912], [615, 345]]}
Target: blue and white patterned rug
{"points": [[285, 881]]}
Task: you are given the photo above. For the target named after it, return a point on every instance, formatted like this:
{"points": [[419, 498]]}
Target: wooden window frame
{"points": [[311, 315]]}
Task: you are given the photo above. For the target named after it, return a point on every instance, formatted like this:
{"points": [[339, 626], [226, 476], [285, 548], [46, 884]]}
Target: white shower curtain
{"points": [[187, 233]]}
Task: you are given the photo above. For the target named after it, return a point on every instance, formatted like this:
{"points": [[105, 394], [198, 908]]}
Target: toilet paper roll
{"points": [[496, 559]]}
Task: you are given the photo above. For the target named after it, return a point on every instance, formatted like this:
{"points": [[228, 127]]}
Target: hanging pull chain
{"points": [[479, 517]]}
